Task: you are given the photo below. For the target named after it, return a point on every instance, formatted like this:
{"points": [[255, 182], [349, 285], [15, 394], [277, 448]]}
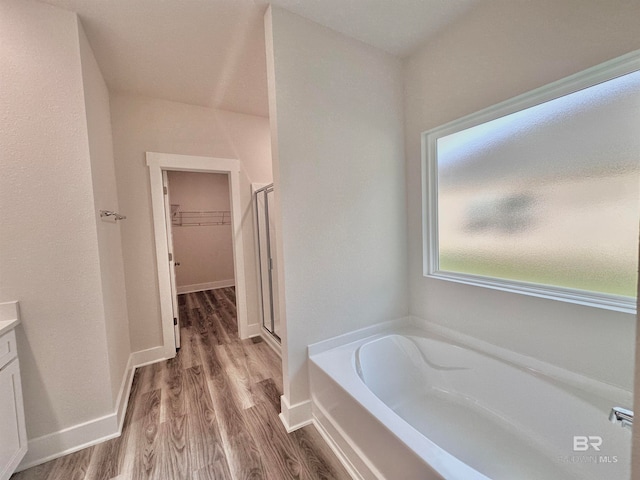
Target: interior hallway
{"points": [[209, 413]]}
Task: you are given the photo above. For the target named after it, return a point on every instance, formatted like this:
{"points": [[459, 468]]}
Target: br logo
{"points": [[582, 443]]}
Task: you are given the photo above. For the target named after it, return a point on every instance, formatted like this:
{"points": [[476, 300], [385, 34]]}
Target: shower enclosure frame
{"points": [[265, 190]]}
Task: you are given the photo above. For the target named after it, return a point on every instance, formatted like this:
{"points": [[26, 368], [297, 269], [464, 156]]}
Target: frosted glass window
{"points": [[547, 195]]}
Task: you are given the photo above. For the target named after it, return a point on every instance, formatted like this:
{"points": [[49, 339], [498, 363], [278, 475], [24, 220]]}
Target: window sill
{"points": [[589, 299]]}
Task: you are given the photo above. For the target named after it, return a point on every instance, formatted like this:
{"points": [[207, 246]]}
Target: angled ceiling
{"points": [[211, 52], [395, 26]]}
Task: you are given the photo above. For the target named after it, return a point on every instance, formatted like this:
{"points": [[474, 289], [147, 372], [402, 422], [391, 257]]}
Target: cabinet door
{"points": [[13, 441]]}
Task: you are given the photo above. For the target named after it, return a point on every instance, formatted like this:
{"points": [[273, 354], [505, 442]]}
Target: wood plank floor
{"points": [[209, 413]]}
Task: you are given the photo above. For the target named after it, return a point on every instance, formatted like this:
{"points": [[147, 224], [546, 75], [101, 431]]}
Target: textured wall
{"points": [[48, 242], [336, 108], [105, 197], [500, 50]]}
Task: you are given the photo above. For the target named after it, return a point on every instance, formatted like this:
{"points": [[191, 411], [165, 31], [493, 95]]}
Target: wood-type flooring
{"points": [[209, 413]]}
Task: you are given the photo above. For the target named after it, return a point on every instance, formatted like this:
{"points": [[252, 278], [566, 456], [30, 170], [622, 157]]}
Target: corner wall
{"points": [[336, 111], [499, 50], [105, 197], [49, 248]]}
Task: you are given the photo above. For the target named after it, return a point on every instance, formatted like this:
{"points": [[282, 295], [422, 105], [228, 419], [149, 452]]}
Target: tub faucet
{"points": [[622, 416]]}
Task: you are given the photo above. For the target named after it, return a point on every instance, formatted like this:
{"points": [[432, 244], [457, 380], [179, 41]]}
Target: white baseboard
{"points": [[200, 287], [295, 416], [253, 330], [63, 442], [69, 440], [148, 356]]}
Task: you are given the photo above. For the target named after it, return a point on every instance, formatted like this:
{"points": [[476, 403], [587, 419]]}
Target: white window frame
{"points": [[601, 73]]}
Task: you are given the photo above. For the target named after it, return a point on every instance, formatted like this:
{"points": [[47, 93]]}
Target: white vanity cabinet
{"points": [[13, 436]]}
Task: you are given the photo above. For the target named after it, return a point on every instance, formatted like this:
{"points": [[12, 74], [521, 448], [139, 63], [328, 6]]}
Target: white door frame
{"points": [[172, 257], [157, 162]]}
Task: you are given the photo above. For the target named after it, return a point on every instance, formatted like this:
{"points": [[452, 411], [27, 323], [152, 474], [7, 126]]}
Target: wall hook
{"points": [[109, 213]]}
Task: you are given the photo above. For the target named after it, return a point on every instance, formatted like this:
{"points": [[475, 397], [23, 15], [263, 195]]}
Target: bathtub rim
{"points": [[534, 366]]}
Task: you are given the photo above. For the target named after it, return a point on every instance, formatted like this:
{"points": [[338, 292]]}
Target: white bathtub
{"points": [[411, 406]]}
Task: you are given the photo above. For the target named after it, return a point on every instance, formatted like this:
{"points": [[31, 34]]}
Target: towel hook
{"points": [[109, 213]]}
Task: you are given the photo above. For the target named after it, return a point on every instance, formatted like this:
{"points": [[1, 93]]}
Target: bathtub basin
{"points": [[414, 406]]}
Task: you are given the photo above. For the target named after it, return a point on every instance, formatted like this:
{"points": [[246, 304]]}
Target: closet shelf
{"points": [[200, 219]]}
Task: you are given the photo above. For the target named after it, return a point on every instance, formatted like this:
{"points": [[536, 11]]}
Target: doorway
{"points": [[200, 209], [159, 164], [200, 236]]}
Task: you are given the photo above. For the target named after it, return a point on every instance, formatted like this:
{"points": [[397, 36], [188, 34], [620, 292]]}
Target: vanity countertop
{"points": [[9, 317]]}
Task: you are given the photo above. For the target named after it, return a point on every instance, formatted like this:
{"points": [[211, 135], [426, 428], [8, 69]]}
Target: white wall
{"points": [[49, 257], [205, 252], [635, 445], [142, 124], [500, 50], [105, 197], [336, 111]]}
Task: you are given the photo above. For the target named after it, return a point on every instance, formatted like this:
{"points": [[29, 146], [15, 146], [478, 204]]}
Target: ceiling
{"points": [[212, 53]]}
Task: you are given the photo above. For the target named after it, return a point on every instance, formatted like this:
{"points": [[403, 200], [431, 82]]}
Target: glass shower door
{"points": [[264, 201]]}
